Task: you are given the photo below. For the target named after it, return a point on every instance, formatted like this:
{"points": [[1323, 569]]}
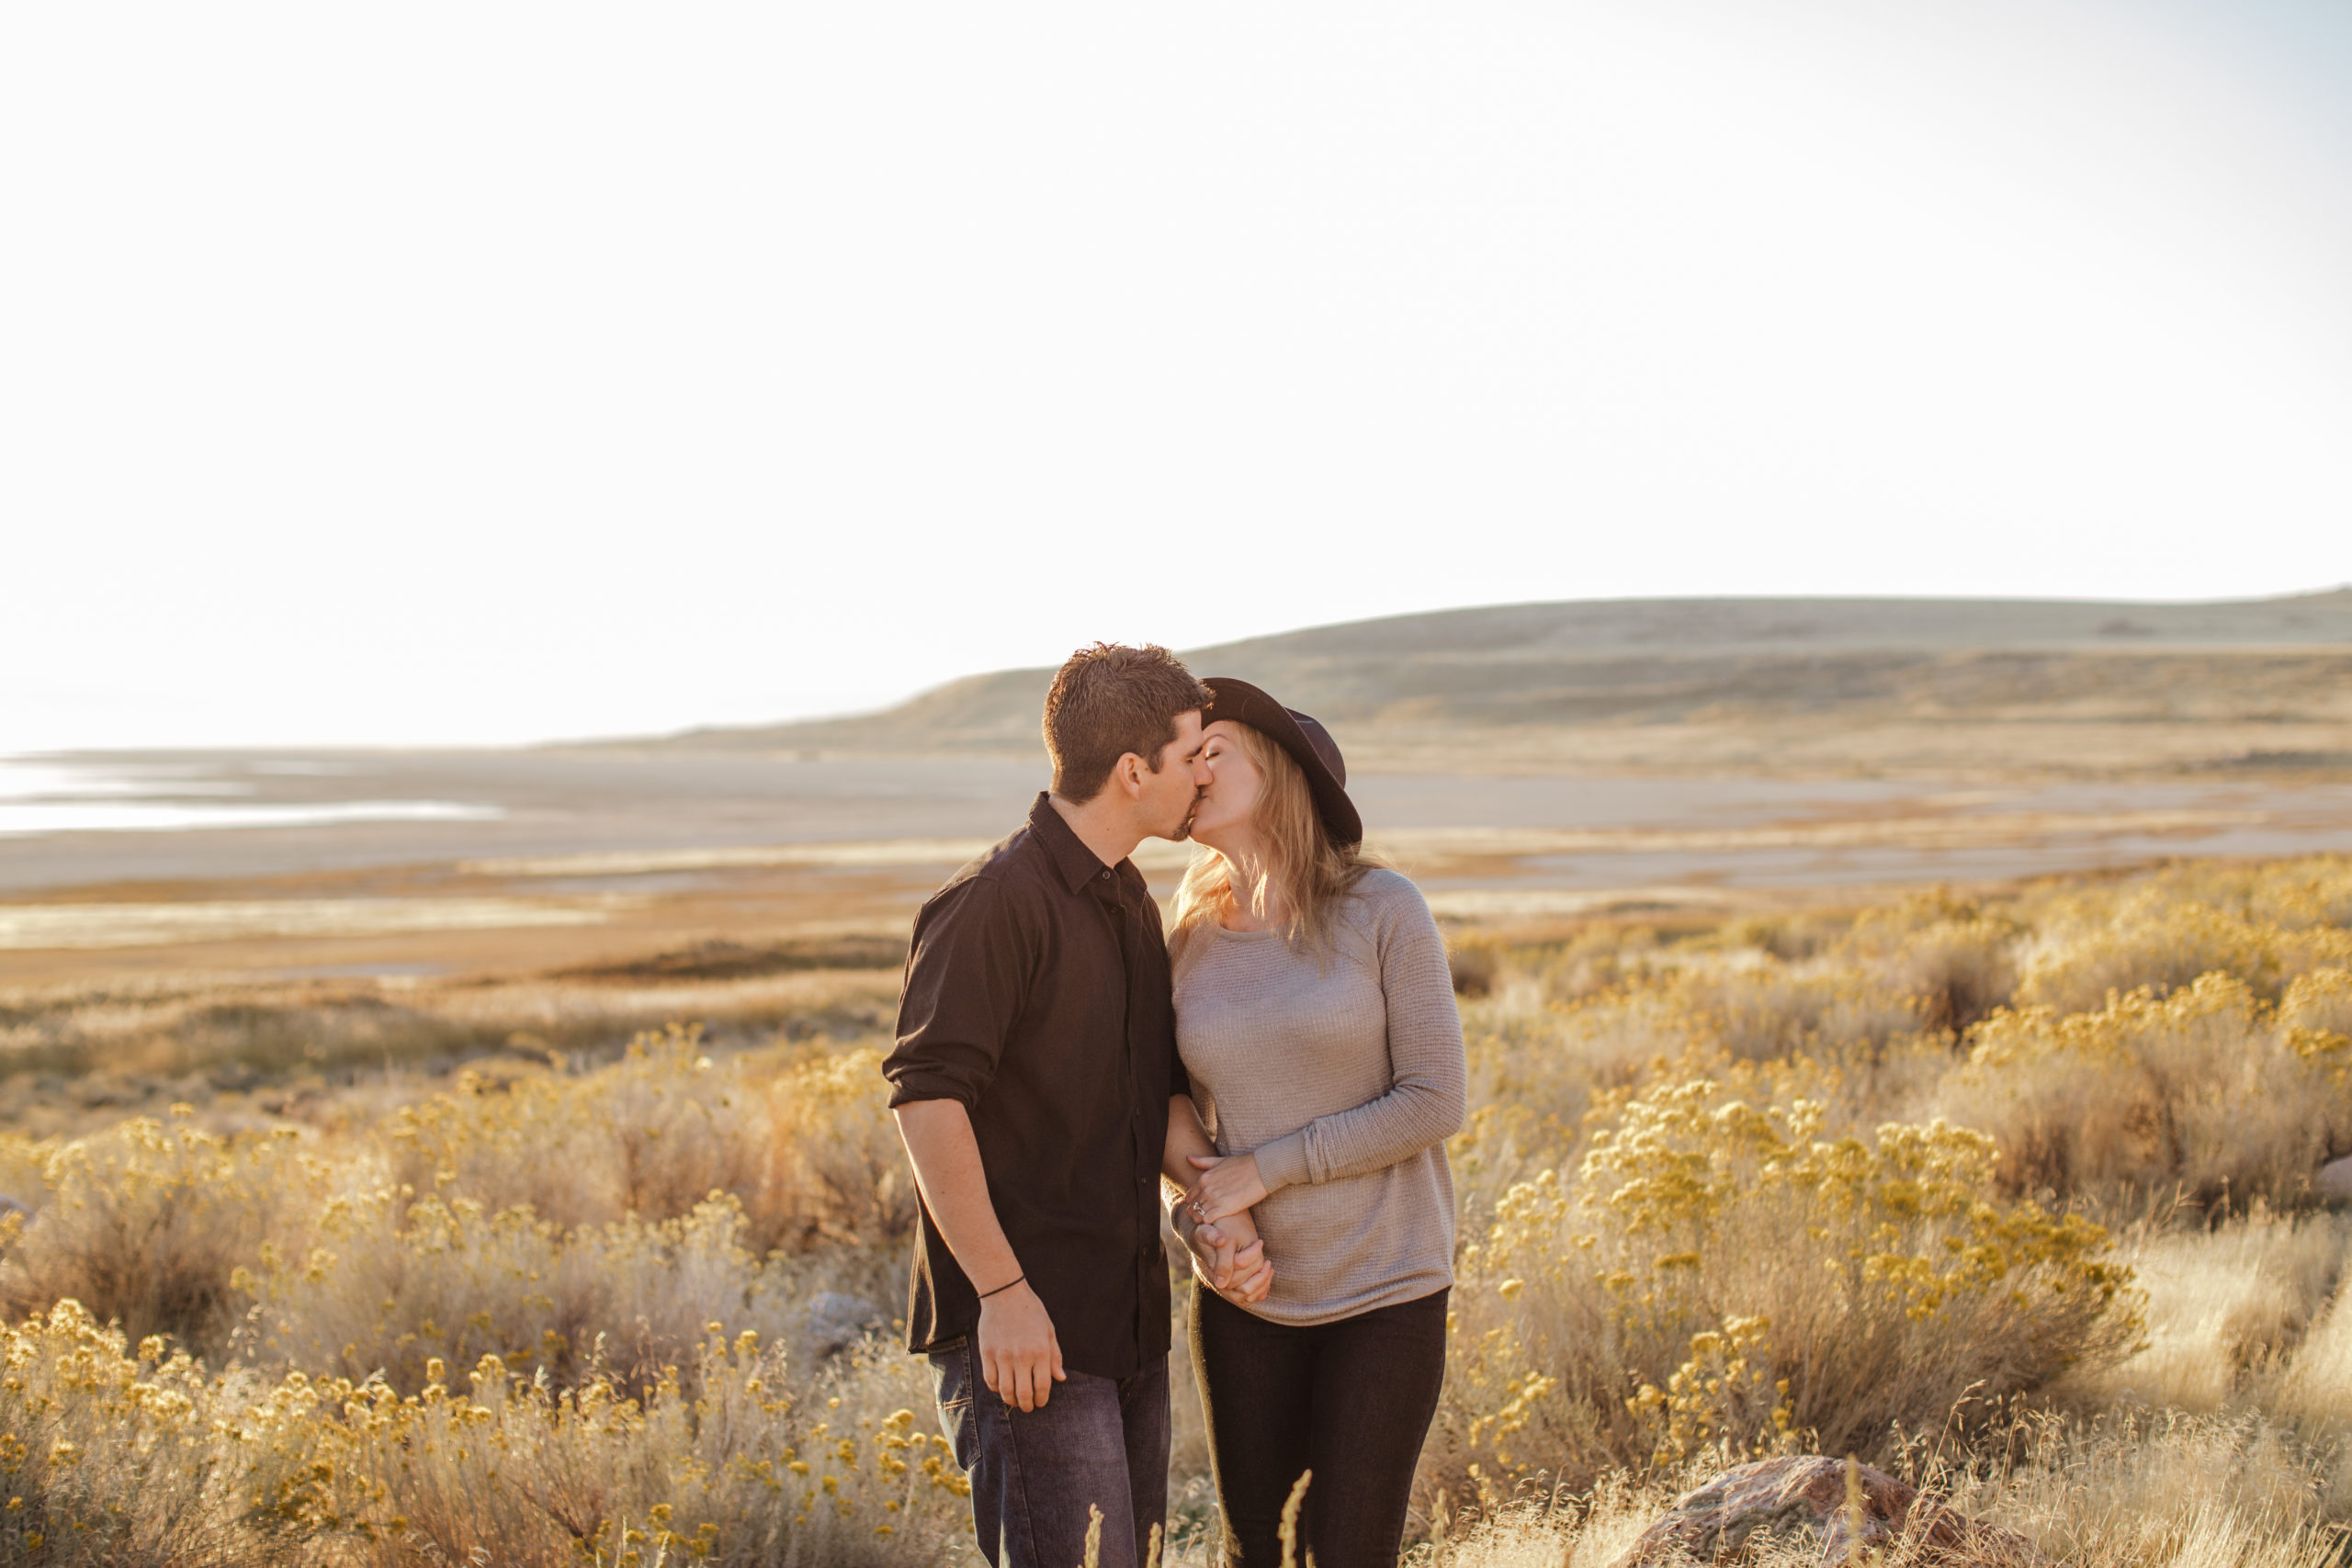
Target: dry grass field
{"points": [[2010, 1192], [511, 1184]]}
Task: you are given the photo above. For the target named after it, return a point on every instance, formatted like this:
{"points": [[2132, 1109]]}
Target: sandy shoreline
{"points": [[683, 814], [586, 857]]}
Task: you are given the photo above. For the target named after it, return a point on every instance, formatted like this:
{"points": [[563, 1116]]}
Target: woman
{"points": [[1314, 1016]]}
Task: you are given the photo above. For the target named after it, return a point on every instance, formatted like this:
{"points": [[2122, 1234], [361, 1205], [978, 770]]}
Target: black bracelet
{"points": [[1001, 1289]]}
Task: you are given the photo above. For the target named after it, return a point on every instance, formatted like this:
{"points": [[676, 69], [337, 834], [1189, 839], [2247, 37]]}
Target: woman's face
{"points": [[1231, 793]]}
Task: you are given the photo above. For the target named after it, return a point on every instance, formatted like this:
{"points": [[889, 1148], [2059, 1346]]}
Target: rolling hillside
{"points": [[2102, 684]]}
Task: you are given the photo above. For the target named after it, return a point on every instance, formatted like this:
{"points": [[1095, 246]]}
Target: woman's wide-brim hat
{"points": [[1308, 742]]}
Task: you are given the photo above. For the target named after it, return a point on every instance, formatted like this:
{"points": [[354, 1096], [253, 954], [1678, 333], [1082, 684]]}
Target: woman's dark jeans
{"points": [[1350, 1401], [1038, 1476]]}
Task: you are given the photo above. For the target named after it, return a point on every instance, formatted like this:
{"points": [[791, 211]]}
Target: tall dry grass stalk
{"points": [[2228, 1311]]}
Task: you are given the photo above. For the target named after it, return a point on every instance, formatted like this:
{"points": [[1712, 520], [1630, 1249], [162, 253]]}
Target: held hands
{"points": [[1234, 1260], [1020, 1357], [1224, 1234], [1228, 1185]]}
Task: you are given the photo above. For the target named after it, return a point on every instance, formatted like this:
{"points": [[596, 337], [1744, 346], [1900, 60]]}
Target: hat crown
{"points": [[1303, 738]]}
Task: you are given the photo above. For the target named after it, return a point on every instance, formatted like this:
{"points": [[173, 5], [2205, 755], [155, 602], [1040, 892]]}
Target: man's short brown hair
{"points": [[1107, 701]]}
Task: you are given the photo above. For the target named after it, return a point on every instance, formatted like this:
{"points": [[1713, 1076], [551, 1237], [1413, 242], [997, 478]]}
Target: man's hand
{"points": [[1234, 1260], [1020, 1357], [1227, 1251]]}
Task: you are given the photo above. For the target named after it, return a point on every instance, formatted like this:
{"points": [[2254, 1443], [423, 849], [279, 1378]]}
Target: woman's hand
{"points": [[1228, 1185]]}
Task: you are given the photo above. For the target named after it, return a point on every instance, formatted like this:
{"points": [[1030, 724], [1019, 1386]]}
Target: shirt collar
{"points": [[1078, 864]]}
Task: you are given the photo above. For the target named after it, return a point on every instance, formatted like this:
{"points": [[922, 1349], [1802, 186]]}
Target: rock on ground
{"points": [[836, 1321], [2333, 1182], [1799, 1505]]}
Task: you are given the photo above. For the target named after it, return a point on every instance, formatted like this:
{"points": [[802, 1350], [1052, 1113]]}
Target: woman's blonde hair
{"points": [[1305, 873]]}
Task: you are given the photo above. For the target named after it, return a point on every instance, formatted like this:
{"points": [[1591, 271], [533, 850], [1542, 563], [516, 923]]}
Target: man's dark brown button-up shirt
{"points": [[1038, 995]]}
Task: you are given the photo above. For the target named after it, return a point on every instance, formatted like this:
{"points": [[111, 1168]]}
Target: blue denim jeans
{"points": [[1097, 1443]]}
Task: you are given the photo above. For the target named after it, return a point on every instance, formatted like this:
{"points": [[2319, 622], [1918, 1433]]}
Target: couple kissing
{"points": [[1280, 1066]]}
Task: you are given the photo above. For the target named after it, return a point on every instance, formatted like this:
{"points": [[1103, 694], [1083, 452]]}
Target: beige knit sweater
{"points": [[1345, 1076]]}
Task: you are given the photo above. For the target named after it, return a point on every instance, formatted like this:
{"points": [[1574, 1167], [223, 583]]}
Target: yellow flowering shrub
{"points": [[650, 1135], [807, 1146], [1538, 1071], [2316, 1016], [110, 1457], [143, 1222], [22, 1160], [2309, 890], [1952, 959], [1722, 1190], [2091, 944], [1724, 1398], [1771, 1010], [835, 1153], [394, 1285], [727, 1466], [1720, 1276], [2207, 1089]]}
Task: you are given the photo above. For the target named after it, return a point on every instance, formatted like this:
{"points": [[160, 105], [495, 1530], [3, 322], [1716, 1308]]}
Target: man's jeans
{"points": [[1097, 1443]]}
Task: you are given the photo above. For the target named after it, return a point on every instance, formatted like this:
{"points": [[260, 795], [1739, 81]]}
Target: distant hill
{"points": [[1508, 672]]}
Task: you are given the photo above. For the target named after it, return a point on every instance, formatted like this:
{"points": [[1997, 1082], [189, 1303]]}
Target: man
{"points": [[1033, 1082]]}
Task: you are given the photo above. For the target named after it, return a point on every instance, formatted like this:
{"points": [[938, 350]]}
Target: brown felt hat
{"points": [[1309, 745]]}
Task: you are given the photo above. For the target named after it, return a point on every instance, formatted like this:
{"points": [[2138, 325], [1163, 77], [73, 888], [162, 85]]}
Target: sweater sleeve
{"points": [[1429, 1069]]}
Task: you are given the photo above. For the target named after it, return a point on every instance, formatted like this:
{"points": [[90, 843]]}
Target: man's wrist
{"points": [[1179, 1213], [989, 1279]]}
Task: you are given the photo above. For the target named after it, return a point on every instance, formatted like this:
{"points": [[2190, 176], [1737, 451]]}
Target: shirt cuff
{"points": [[1283, 1163], [917, 1083]]}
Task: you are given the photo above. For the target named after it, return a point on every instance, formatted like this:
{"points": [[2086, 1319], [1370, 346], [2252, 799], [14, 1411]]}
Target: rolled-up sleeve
{"points": [[966, 982]]}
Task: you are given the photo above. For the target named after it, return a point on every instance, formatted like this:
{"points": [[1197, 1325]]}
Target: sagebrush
{"points": [[2013, 1194]]}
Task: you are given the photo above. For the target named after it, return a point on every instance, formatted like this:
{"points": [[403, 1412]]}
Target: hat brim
{"points": [[1245, 703]]}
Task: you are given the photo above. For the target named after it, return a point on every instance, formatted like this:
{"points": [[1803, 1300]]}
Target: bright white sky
{"points": [[480, 372]]}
